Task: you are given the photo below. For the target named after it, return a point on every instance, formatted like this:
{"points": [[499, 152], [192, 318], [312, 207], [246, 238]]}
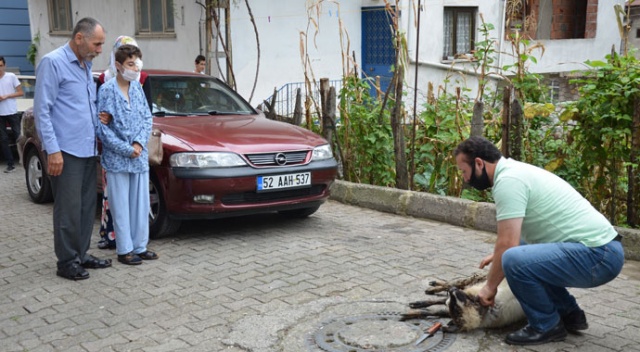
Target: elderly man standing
{"points": [[66, 118]]}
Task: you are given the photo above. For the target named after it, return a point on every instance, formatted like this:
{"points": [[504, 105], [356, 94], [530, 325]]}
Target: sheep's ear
{"points": [[458, 295]]}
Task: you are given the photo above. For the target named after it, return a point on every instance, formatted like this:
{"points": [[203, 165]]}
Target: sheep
{"points": [[463, 307]]}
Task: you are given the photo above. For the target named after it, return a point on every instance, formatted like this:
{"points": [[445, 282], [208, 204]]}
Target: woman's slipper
{"points": [[148, 255], [96, 263], [129, 259]]}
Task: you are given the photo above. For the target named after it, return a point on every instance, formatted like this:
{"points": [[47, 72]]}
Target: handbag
{"points": [[154, 147]]}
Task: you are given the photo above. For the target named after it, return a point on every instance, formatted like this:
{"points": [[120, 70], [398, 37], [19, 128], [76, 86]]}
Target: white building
{"points": [[171, 33]]}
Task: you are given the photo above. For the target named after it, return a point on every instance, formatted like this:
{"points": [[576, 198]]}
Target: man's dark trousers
{"points": [[74, 209]]}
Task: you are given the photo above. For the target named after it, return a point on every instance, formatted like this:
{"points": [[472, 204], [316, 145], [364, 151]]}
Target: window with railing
{"points": [[60, 21], [155, 18]]}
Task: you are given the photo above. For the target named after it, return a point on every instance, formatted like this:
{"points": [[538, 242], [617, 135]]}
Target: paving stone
{"points": [[216, 281]]}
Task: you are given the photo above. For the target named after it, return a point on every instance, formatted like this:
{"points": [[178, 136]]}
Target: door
{"points": [[378, 54]]}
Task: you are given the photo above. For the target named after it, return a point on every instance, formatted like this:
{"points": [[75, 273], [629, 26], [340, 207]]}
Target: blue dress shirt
{"points": [[65, 104]]}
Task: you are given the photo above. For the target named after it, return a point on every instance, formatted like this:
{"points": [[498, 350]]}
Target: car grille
{"points": [[254, 197], [271, 159]]}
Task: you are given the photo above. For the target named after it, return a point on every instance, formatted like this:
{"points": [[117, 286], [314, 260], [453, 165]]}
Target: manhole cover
{"points": [[378, 332]]}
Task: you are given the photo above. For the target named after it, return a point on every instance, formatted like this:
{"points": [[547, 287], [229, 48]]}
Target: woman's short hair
{"points": [[126, 51]]}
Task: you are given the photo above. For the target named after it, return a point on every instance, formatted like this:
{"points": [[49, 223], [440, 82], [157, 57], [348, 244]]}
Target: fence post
{"points": [[328, 104], [297, 110], [506, 126]]}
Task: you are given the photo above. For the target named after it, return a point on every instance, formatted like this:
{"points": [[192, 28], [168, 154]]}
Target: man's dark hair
{"points": [[200, 58], [478, 147], [86, 26], [2, 59], [126, 51]]}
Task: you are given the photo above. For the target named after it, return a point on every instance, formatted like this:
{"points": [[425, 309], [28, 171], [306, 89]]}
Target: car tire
{"points": [[299, 213], [38, 183], [160, 224]]}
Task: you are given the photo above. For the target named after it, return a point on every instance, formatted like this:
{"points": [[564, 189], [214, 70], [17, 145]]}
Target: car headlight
{"points": [[206, 160], [322, 152]]}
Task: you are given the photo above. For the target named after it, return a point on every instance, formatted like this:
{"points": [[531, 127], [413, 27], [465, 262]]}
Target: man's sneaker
{"points": [[9, 169], [575, 321]]}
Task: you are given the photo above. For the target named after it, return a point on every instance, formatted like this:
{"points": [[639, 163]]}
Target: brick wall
{"points": [[592, 19], [574, 19]]}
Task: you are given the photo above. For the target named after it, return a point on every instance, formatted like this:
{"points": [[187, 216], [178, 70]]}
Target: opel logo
{"points": [[280, 159]]}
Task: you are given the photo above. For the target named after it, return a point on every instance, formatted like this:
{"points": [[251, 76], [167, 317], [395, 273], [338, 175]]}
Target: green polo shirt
{"points": [[552, 209]]}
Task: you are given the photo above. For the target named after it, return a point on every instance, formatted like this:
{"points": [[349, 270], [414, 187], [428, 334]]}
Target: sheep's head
{"points": [[465, 310]]}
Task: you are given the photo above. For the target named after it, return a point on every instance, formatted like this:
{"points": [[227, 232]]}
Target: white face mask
{"points": [[130, 75]]}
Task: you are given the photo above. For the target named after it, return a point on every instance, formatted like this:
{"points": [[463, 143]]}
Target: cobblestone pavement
{"points": [[259, 283]]}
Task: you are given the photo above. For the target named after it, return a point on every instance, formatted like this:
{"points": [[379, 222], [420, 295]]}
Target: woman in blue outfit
{"points": [[107, 233], [125, 157]]}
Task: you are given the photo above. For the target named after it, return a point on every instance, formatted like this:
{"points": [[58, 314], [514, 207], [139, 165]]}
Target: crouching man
{"points": [[549, 238]]}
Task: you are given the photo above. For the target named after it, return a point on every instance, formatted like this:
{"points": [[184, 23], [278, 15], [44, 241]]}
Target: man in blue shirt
{"points": [[66, 118]]}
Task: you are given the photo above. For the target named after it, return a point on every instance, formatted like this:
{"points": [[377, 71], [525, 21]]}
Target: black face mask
{"points": [[480, 183]]}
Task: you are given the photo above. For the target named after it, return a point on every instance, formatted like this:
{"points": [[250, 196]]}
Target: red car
{"points": [[221, 157]]}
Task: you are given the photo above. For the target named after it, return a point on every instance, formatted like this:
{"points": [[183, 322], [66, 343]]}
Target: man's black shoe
{"points": [[531, 336], [575, 321], [73, 271]]}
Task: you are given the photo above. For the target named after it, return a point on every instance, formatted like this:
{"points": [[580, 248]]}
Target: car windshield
{"points": [[194, 95]]}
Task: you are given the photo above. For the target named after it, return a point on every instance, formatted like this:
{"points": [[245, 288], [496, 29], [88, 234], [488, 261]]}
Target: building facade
{"points": [[316, 38]]}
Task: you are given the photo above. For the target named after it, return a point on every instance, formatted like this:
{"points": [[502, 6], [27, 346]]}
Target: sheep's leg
{"points": [[425, 313], [439, 285], [429, 303]]}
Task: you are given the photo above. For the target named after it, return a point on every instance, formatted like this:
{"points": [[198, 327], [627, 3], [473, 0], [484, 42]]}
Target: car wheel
{"points": [[38, 183], [299, 213], [160, 224]]}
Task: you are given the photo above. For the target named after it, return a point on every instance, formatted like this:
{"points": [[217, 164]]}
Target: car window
{"points": [[28, 87], [28, 84], [195, 95]]}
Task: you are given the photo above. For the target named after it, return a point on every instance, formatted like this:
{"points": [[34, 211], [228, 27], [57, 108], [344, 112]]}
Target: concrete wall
{"points": [[455, 211], [562, 55], [281, 25], [118, 18]]}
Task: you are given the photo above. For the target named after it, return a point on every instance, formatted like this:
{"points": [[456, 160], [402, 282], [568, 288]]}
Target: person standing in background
{"points": [[201, 64], [10, 89], [66, 118]]}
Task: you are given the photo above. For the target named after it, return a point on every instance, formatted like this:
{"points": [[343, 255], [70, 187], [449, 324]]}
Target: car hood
{"points": [[237, 133]]}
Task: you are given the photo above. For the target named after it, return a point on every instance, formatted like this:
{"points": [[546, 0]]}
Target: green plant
{"points": [[603, 129], [32, 52], [365, 136]]}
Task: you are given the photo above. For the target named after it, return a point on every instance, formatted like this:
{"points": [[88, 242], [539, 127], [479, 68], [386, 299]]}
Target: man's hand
{"points": [[487, 296], [105, 117], [486, 261], [55, 162]]}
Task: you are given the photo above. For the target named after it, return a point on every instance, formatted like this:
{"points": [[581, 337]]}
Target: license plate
{"points": [[267, 183]]}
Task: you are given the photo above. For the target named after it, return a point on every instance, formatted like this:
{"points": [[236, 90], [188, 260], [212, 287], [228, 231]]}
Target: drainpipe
{"points": [[502, 34], [415, 99]]}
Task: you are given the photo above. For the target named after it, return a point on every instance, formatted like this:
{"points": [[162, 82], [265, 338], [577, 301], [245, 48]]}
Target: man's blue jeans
{"points": [[538, 275]]}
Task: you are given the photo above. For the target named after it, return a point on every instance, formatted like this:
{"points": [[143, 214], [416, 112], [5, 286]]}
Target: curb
{"points": [[454, 211]]}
